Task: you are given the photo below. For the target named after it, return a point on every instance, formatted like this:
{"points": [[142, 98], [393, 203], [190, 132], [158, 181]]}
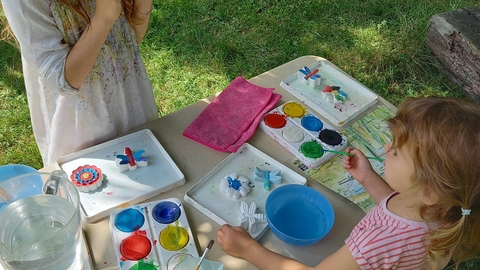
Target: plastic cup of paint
{"points": [[191, 263]]}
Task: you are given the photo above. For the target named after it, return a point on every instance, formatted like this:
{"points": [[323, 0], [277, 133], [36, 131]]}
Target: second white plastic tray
{"points": [[207, 197]]}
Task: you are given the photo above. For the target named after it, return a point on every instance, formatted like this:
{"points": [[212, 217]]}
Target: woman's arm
{"points": [[82, 56], [141, 17]]}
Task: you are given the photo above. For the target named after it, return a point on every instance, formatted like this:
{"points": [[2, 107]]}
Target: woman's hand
{"points": [[234, 240], [109, 10]]}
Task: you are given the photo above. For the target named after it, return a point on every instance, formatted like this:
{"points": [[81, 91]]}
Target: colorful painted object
{"points": [[333, 94], [87, 178], [267, 177], [152, 235], [310, 77], [130, 161], [234, 186], [248, 218]]}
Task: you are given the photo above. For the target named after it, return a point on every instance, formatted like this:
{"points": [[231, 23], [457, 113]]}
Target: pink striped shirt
{"points": [[383, 240]]}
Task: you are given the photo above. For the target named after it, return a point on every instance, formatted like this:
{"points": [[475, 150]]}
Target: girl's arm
{"points": [[82, 56], [237, 242], [361, 169], [141, 16]]}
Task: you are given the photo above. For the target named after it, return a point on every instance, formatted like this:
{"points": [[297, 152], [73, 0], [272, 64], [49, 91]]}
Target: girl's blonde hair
{"points": [[443, 136]]}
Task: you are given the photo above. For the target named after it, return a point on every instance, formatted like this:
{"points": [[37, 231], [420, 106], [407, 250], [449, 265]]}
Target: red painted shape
{"points": [[311, 74], [129, 154], [327, 89]]}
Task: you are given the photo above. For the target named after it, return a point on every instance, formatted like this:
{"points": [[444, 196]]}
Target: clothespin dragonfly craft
{"points": [[130, 160], [267, 177], [310, 77], [248, 218]]}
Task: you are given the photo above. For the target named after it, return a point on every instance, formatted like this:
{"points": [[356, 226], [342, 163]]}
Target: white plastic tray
{"points": [[293, 147], [359, 97], [158, 256], [129, 187], [206, 196]]}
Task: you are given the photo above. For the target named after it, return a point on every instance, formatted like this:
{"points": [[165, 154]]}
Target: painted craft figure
{"points": [[428, 205], [310, 77], [267, 177], [131, 160], [249, 219], [333, 94], [234, 186]]}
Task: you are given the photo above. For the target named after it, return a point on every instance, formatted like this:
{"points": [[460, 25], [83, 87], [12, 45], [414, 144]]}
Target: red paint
{"points": [[135, 247], [110, 192], [129, 154], [275, 120], [327, 89], [311, 74]]}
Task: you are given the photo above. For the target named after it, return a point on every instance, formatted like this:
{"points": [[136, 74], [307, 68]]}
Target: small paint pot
{"points": [[129, 220], [166, 212], [294, 110], [275, 120], [330, 137], [311, 149], [312, 123]]}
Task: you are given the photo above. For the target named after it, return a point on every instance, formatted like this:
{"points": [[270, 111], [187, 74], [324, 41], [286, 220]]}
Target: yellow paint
{"points": [[294, 109], [173, 238]]}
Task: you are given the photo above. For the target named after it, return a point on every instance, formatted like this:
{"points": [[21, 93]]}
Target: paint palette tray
{"points": [[154, 235], [207, 196], [120, 189], [303, 133], [359, 98]]}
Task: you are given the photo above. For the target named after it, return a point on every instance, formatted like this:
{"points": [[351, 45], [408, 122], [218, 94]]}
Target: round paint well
{"points": [[275, 120], [141, 265], [330, 137], [311, 149], [129, 220], [312, 123], [293, 134], [294, 110], [166, 212], [135, 247], [173, 238]]}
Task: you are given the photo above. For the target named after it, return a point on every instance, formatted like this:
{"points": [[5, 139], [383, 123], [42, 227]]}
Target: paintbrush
{"points": [[348, 154], [210, 244]]}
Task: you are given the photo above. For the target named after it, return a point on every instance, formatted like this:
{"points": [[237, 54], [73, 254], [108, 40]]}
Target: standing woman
{"points": [[85, 79]]}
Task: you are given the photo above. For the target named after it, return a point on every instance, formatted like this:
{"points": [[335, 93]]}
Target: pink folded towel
{"points": [[233, 116]]}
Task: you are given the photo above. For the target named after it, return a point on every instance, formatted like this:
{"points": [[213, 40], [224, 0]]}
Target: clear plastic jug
{"points": [[40, 223]]}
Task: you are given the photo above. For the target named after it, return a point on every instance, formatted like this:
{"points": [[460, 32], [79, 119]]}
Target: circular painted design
{"points": [[129, 220], [294, 110], [86, 175], [135, 247], [293, 134], [311, 149], [173, 238], [330, 137], [141, 265], [312, 123], [166, 212], [275, 120]]}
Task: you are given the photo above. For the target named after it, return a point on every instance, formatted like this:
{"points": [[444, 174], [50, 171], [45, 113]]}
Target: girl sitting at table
{"points": [[84, 76], [428, 208]]}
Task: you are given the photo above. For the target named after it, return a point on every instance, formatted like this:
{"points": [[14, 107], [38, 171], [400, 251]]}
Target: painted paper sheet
{"points": [[368, 134]]}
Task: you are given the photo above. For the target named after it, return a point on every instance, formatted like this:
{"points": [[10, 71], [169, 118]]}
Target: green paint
{"points": [[311, 149], [142, 265]]}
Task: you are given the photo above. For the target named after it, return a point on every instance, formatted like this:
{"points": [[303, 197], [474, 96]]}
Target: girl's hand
{"points": [[109, 10], [358, 166], [234, 240]]}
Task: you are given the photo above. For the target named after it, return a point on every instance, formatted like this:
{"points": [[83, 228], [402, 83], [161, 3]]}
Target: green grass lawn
{"points": [[196, 48]]}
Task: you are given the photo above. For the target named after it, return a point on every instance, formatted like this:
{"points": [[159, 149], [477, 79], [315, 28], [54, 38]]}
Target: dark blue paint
{"points": [[129, 220], [234, 183], [166, 212]]}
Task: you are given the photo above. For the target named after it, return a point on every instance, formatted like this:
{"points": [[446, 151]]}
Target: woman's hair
{"points": [[443, 137]]}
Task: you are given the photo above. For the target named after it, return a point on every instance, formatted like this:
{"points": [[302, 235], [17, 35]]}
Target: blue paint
{"points": [[166, 212], [312, 123], [234, 183], [129, 220]]}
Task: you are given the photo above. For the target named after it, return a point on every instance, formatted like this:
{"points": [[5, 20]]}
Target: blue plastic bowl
{"points": [[299, 215]]}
